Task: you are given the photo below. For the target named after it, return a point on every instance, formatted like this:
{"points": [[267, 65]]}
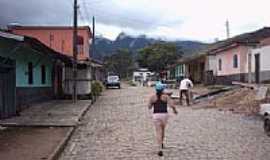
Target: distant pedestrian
{"points": [[141, 81], [159, 102], [184, 88]]}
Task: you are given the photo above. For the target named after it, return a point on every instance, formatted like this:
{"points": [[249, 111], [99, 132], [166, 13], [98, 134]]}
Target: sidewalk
{"points": [[41, 131], [58, 113]]}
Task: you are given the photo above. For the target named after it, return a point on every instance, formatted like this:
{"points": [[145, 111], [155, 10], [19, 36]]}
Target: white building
{"points": [[84, 78], [141, 75], [260, 64]]}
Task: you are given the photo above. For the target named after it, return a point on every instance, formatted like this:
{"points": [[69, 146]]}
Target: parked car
{"points": [[265, 111], [113, 81]]}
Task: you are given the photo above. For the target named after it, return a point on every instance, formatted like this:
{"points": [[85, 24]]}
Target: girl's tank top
{"points": [[160, 106]]}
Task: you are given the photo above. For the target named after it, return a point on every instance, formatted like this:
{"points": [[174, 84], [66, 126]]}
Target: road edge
{"points": [[62, 145]]}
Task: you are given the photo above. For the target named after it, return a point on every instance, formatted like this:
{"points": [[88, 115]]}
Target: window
{"points": [[178, 71], [235, 61], [43, 74], [63, 46], [220, 64], [80, 44], [51, 38], [30, 73], [182, 69]]}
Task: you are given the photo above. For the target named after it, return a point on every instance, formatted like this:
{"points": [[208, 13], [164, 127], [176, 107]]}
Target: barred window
{"points": [[30, 73], [235, 61], [80, 44], [43, 74], [220, 64]]}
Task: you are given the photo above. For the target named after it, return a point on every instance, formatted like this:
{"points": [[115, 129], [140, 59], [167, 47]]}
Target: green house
{"points": [[34, 69], [180, 71]]}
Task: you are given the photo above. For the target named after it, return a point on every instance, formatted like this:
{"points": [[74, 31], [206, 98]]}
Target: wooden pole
{"points": [[93, 41], [75, 51]]}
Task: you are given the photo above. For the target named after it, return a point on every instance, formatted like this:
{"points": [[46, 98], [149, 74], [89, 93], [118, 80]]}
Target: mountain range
{"points": [[106, 47]]}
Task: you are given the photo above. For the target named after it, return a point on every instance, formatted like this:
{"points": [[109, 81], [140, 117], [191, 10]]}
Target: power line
{"points": [[97, 2], [86, 11], [101, 13], [81, 16], [71, 5], [122, 19]]}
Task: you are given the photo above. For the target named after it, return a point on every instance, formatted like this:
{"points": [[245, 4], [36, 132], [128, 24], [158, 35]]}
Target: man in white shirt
{"points": [[185, 85]]}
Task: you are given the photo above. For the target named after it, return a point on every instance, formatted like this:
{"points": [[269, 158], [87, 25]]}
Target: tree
{"points": [[120, 63], [158, 56]]}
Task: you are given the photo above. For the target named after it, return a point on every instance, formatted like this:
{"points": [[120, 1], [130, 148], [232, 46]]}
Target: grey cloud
{"points": [[134, 18], [59, 12], [35, 12]]}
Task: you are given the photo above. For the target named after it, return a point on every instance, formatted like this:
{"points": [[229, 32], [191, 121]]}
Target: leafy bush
{"points": [[97, 88], [131, 83]]}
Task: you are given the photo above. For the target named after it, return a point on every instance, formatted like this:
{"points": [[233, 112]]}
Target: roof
{"points": [[18, 27], [96, 63], [250, 39], [42, 48], [11, 36], [38, 46], [142, 70], [188, 59]]}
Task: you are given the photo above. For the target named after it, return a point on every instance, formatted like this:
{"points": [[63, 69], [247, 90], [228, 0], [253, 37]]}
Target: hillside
{"points": [[106, 47]]}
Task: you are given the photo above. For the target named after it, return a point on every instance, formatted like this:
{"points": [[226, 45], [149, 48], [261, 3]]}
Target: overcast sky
{"points": [[202, 20]]}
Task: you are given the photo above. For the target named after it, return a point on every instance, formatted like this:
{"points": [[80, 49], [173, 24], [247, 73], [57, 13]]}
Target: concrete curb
{"points": [[59, 149], [36, 125], [84, 112], [62, 145]]}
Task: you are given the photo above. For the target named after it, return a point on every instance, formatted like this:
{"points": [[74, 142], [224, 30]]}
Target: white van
{"points": [[113, 81]]}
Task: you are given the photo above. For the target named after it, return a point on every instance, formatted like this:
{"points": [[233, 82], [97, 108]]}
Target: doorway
{"points": [[257, 68], [58, 78], [7, 88]]}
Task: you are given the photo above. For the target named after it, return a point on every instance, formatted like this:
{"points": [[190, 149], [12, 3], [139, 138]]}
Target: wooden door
{"points": [[257, 68], [2, 98], [58, 78], [7, 88]]}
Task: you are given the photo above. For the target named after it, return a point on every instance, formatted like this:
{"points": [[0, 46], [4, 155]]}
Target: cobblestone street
{"points": [[119, 126]]}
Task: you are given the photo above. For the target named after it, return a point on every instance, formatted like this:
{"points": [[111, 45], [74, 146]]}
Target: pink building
{"points": [[232, 55], [59, 38]]}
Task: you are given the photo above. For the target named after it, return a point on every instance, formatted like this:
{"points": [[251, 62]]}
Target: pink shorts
{"points": [[160, 118]]}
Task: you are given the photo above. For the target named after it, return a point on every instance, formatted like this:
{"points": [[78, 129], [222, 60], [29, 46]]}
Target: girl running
{"points": [[159, 102]]}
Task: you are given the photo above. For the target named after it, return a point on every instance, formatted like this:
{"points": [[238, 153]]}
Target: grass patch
{"points": [[131, 83]]}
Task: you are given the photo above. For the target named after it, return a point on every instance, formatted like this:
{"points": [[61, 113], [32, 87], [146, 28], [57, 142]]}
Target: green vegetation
{"points": [[158, 56], [120, 63], [131, 83], [97, 88]]}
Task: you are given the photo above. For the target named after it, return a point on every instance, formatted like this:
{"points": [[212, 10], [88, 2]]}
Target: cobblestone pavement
{"points": [[119, 126]]}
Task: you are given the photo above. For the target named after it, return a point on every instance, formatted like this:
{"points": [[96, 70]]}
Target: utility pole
{"points": [[228, 29], [75, 51], [94, 37]]}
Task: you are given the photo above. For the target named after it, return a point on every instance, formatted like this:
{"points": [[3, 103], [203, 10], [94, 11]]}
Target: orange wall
{"points": [[62, 39]]}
